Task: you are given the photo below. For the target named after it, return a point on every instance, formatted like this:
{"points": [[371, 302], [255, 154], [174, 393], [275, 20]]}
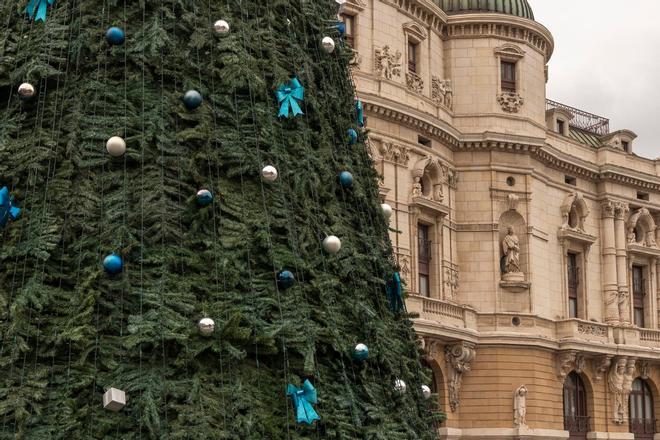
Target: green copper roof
{"points": [[518, 8]]}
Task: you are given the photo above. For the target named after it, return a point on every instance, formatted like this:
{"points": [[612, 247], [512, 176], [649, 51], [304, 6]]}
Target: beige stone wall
{"points": [[468, 167]]}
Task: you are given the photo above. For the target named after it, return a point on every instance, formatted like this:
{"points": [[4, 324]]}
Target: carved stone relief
{"points": [[601, 365], [404, 265], [520, 406], [387, 63], [451, 281], [459, 359], [619, 381], [568, 361], [395, 153], [641, 228], [442, 92], [414, 82], [590, 329], [510, 102]]}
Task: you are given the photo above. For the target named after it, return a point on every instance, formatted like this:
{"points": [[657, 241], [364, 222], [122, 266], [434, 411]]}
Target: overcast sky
{"points": [[607, 62]]}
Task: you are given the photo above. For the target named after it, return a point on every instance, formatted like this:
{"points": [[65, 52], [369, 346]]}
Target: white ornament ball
{"points": [[206, 326], [426, 391], [400, 386], [114, 399], [116, 146], [328, 44], [26, 91], [331, 244], [269, 173], [221, 27], [387, 210]]}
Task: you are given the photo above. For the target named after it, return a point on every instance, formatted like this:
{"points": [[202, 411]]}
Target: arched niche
{"points": [[438, 385], [574, 211], [428, 177], [513, 219], [641, 228]]}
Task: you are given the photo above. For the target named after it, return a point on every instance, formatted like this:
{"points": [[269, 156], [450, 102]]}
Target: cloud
{"points": [[606, 62]]}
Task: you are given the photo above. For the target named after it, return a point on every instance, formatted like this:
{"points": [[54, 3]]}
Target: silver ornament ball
{"points": [[331, 244], [221, 27], [426, 391], [400, 386], [116, 146], [269, 173], [206, 326], [387, 210], [328, 44], [26, 91]]}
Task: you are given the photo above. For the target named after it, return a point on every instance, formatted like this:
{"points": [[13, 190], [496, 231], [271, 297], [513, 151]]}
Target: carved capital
{"points": [[607, 209], [621, 210], [459, 359], [644, 368], [568, 361]]}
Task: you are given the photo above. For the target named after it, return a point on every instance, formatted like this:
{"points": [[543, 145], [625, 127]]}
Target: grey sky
{"points": [[607, 62]]}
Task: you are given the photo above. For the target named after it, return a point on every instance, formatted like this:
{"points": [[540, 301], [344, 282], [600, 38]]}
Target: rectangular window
{"points": [[560, 127], [424, 141], [424, 259], [508, 76], [349, 35], [642, 196], [639, 292], [626, 146], [570, 180], [573, 285], [412, 57]]}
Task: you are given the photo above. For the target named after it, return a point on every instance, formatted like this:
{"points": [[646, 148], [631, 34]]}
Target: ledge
{"points": [[431, 205], [643, 250], [576, 236], [516, 286]]}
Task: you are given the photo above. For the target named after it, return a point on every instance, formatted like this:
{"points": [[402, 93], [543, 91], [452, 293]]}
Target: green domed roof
{"points": [[519, 8]]}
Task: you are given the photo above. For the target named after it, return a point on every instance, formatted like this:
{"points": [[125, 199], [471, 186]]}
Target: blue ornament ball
{"points": [[361, 352], [115, 36], [346, 179], [204, 197], [192, 99], [341, 27], [352, 136], [113, 264], [285, 279]]}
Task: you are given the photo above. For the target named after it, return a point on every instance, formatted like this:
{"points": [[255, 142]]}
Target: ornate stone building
{"points": [[527, 229]]}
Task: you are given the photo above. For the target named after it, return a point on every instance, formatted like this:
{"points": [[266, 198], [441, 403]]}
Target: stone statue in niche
{"points": [[520, 407], [615, 381], [511, 259]]}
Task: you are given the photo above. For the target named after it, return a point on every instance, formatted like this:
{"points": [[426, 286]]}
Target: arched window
{"points": [[576, 420], [642, 420]]}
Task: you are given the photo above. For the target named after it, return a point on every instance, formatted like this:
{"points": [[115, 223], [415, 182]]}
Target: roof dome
{"points": [[519, 8]]}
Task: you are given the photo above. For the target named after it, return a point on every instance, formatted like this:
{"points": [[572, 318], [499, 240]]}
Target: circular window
{"points": [[515, 321], [510, 181]]}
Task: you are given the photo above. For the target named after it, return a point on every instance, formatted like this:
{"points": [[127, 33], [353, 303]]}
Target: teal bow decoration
{"points": [[395, 293], [288, 96], [38, 7], [7, 210], [359, 110], [303, 398]]}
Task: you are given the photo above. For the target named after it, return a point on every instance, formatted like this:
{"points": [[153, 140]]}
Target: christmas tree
{"points": [[200, 246]]}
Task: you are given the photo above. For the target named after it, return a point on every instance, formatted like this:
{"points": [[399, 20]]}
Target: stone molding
{"points": [[545, 154], [648, 228], [416, 31], [354, 7], [459, 359], [424, 11], [504, 27]]}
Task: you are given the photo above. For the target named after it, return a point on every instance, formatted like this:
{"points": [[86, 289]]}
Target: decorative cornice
{"points": [[424, 11], [545, 154], [504, 27]]}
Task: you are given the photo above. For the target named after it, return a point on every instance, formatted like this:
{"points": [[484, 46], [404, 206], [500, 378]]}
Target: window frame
{"points": [[508, 84], [413, 56], [424, 257], [349, 21]]}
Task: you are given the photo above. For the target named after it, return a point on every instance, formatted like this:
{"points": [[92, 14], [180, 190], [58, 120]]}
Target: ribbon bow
{"points": [[394, 293], [288, 96], [303, 398], [39, 8], [7, 210], [359, 110]]}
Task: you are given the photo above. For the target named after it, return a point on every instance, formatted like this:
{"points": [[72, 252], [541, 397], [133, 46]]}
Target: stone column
{"points": [[610, 288], [653, 313], [620, 212]]}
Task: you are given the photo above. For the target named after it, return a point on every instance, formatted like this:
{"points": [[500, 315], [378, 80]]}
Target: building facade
{"points": [[526, 228]]}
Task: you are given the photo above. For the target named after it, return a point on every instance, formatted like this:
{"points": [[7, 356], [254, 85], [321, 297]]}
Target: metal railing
{"points": [[643, 426], [583, 120], [574, 424]]}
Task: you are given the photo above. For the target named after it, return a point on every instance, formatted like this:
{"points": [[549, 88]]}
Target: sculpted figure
{"points": [[520, 406], [615, 381], [511, 248]]}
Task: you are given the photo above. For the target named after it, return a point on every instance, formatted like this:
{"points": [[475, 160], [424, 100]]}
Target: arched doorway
{"points": [[640, 403], [576, 420]]}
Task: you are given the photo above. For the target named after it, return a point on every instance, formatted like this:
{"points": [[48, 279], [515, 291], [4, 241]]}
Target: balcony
{"points": [[441, 312], [583, 120]]}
